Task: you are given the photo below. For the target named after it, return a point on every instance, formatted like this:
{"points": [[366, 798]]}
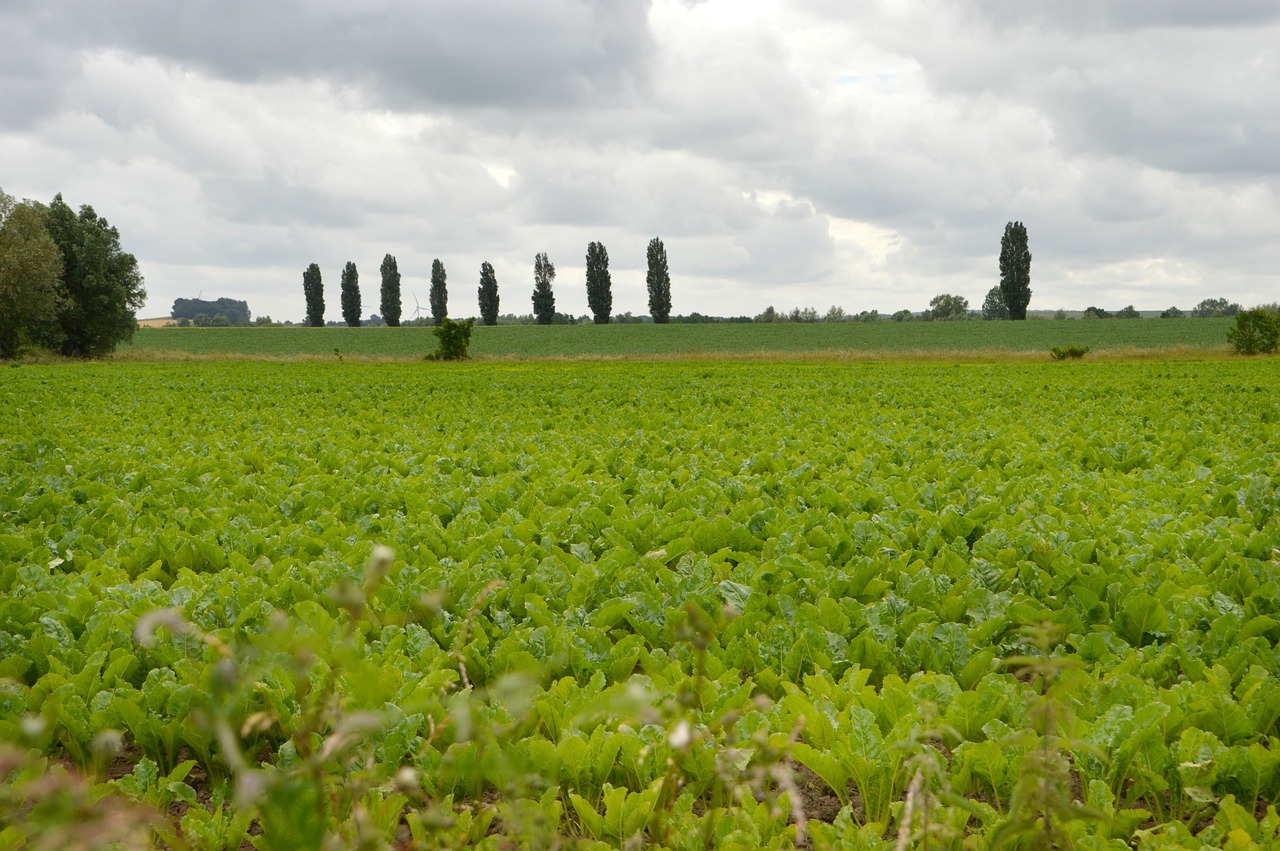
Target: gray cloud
{"points": [[791, 152], [403, 53], [1184, 86], [1129, 15]]}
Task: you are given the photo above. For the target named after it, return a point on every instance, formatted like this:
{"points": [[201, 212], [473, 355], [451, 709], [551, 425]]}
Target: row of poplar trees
{"points": [[599, 289]]}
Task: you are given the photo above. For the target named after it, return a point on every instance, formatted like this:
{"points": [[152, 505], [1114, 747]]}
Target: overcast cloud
{"points": [[789, 152]]}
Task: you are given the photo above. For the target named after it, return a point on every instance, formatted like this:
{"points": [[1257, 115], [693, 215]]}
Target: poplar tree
{"points": [[658, 279], [313, 289], [544, 300], [1015, 270], [599, 283], [351, 295], [439, 292], [390, 291], [488, 295]]}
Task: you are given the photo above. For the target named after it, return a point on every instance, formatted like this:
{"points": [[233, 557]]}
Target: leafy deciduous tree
{"points": [[390, 302], [1256, 332], [488, 294], [658, 279], [30, 269], [1015, 270], [544, 300], [439, 292], [313, 289], [946, 306], [599, 283], [351, 295], [993, 307], [1211, 307], [101, 288]]}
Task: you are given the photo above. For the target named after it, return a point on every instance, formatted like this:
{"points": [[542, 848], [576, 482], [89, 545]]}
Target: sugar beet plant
{"points": [[751, 606]]}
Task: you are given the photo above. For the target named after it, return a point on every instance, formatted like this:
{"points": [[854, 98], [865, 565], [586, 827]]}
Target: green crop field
{"points": [[678, 604], [527, 341]]}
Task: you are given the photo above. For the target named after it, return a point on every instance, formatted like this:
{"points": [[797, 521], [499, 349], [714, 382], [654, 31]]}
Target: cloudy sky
{"points": [[789, 152]]}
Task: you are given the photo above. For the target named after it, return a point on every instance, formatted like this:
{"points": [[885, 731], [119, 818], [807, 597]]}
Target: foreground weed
{"points": [[1043, 806]]}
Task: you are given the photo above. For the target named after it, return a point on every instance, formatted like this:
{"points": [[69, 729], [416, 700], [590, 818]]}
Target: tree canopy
{"points": [[235, 311], [1256, 332], [993, 307], [390, 302], [100, 289], [30, 270], [946, 306], [351, 295], [544, 300], [488, 295], [439, 292], [599, 283], [313, 289], [1015, 270], [658, 280], [1211, 307]]}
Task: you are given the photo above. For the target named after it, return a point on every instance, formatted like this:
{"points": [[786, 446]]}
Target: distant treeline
{"points": [[224, 311]]}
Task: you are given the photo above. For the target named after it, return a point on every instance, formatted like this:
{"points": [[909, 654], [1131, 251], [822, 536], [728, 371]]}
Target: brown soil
{"points": [[819, 802]]}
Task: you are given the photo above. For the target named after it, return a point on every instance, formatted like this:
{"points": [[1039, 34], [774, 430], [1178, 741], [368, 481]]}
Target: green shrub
{"points": [[454, 339], [1256, 332], [1070, 350]]}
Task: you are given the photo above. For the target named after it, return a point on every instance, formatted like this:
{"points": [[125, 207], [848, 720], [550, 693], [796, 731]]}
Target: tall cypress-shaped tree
{"points": [[488, 295], [351, 295], [390, 291], [313, 289], [1015, 270], [439, 293], [599, 283], [658, 279], [544, 300]]}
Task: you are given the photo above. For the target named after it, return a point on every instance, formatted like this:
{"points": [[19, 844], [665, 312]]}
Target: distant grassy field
{"points": [[526, 341]]}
